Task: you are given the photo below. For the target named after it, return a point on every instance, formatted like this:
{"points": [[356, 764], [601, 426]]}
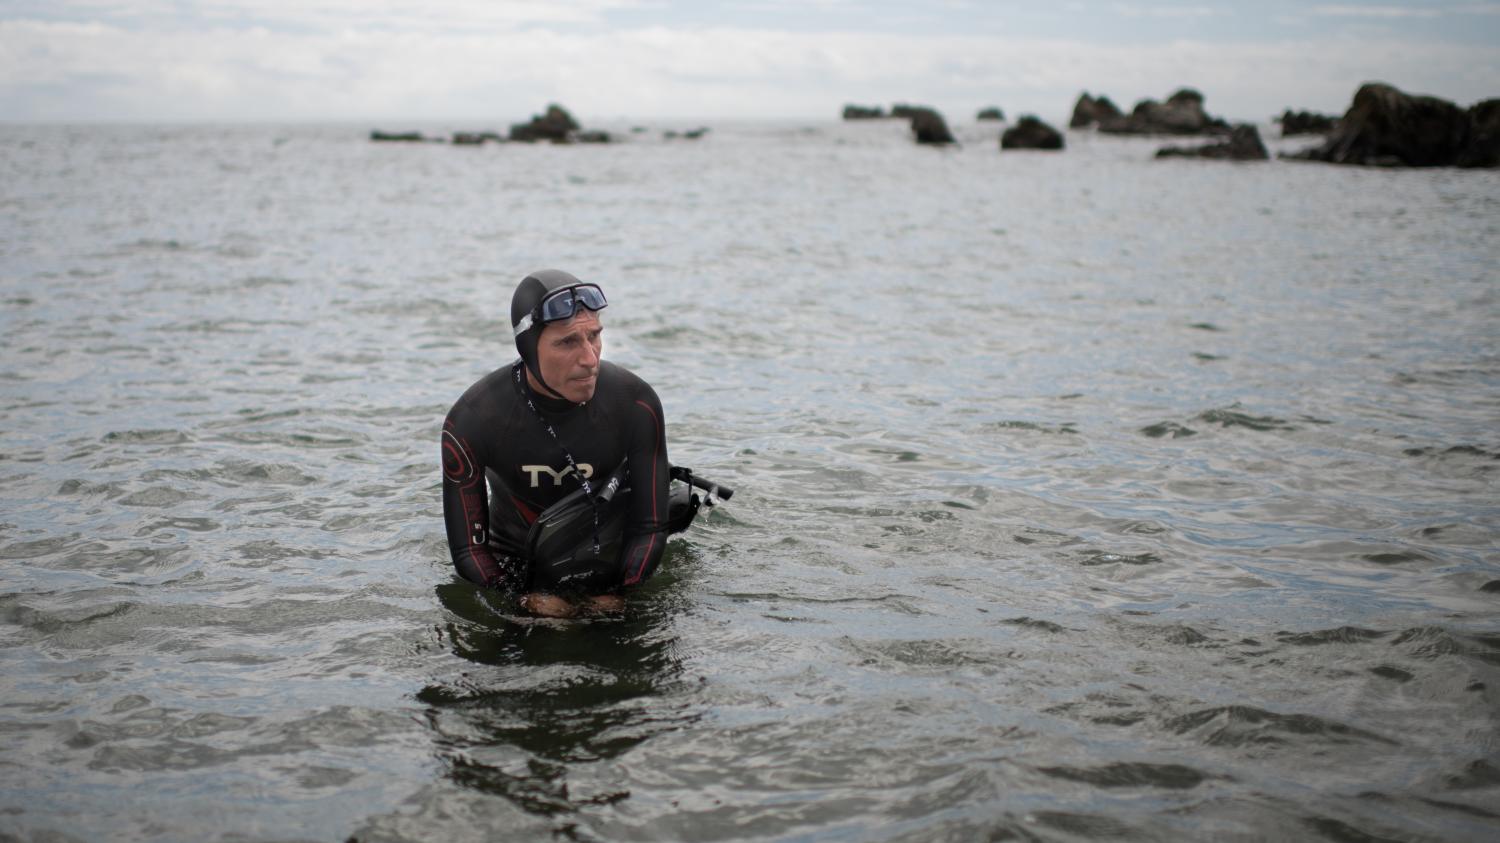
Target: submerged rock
{"points": [[396, 137], [991, 113], [475, 138], [1181, 114], [1031, 133], [1387, 128], [1306, 123], [1244, 144], [557, 125], [929, 126], [1089, 111], [861, 112]]}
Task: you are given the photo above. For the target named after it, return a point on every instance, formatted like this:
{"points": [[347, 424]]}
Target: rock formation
{"points": [[1244, 144], [928, 125], [1089, 111], [1031, 133], [991, 113], [400, 137], [1181, 114], [861, 112], [1385, 127], [1305, 123], [557, 125]]}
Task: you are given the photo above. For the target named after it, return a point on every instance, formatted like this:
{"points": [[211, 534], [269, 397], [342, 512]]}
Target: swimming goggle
{"points": [[562, 304]]}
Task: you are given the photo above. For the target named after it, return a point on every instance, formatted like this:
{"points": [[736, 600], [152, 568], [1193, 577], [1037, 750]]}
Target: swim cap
{"points": [[525, 316]]}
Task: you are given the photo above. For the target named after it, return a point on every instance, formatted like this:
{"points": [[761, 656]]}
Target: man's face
{"points": [[567, 353]]}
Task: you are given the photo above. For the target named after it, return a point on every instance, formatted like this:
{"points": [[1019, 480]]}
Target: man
{"points": [[532, 433]]}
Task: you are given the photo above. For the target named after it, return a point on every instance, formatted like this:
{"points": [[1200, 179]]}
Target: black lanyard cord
{"points": [[588, 490]]}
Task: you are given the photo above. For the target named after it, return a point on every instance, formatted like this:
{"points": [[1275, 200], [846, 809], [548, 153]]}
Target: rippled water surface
{"points": [[1080, 496]]}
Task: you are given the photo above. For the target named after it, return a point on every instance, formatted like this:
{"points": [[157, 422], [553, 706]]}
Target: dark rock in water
{"points": [[929, 126], [1243, 145], [902, 111], [1181, 114], [690, 134], [593, 136], [1387, 128], [1031, 133], [1483, 148], [474, 138], [861, 112], [557, 125], [991, 113], [1306, 123], [1089, 111], [401, 137]]}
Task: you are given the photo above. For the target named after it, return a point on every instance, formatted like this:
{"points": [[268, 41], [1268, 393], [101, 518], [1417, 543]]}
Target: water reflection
{"points": [[545, 705]]}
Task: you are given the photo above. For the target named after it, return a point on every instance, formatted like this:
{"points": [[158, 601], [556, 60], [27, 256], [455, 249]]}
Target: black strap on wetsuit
{"points": [[588, 490]]}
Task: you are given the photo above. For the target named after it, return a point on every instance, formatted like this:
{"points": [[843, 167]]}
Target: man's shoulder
{"points": [[623, 379], [490, 391]]}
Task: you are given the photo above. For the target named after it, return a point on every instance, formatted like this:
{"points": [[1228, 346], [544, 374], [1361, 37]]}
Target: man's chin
{"points": [[581, 391]]}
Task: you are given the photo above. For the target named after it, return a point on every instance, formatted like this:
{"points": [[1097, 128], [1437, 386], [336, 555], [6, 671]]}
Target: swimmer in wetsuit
{"points": [[528, 434]]}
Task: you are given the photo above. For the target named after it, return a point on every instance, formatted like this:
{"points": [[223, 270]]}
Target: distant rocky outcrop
{"points": [[1089, 111], [863, 112], [557, 125], [1385, 127], [396, 137], [1483, 148], [991, 113], [690, 134], [928, 126], [1306, 123], [1244, 144], [475, 138], [1031, 133], [902, 111], [1181, 114]]}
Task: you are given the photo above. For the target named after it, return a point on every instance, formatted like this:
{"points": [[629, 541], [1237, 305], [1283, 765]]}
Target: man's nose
{"points": [[590, 355]]}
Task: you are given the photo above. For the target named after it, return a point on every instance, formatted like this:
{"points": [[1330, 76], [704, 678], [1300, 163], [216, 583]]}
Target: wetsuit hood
{"points": [[527, 297]]}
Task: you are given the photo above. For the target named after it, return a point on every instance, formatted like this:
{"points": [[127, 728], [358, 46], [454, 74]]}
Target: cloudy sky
{"points": [[606, 60]]}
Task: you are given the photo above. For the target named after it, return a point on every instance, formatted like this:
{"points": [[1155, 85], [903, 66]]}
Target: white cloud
{"points": [[332, 15], [1133, 10], [70, 71], [1348, 11]]}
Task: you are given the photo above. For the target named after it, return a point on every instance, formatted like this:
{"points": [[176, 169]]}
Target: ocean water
{"points": [[1080, 496]]}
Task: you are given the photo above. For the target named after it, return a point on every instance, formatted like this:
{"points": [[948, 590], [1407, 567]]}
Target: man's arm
{"points": [[466, 510], [645, 530]]}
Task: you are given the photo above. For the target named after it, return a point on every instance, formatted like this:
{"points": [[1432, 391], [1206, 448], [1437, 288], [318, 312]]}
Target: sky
{"points": [[493, 62]]}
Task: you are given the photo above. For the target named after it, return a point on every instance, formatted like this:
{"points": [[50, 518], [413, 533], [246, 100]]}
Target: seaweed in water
{"points": [[1168, 429], [1234, 418]]}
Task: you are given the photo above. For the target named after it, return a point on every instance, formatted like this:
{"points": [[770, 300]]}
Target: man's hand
{"points": [[552, 606]]}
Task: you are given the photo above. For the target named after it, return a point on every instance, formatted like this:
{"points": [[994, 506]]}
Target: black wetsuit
{"points": [[501, 468]]}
